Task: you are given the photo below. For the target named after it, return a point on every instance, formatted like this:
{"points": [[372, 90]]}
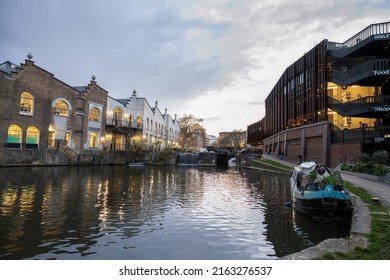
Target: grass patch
{"points": [[360, 192], [277, 164], [379, 238]]}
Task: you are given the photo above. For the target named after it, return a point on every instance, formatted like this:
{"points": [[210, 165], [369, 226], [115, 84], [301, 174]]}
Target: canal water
{"points": [[147, 213]]}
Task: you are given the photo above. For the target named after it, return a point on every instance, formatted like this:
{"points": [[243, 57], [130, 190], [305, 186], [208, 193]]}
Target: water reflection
{"points": [[120, 212]]}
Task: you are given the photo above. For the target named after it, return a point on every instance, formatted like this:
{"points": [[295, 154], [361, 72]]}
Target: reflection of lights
{"points": [[102, 201], [17, 203], [8, 199]]}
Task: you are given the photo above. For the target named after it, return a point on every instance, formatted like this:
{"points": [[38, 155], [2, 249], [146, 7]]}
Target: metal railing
{"points": [[123, 123], [373, 29], [380, 103], [362, 134], [70, 153], [373, 67], [343, 159]]}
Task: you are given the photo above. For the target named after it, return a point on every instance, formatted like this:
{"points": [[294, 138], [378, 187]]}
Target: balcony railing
{"points": [[369, 104], [123, 123], [375, 67], [363, 134], [373, 29]]}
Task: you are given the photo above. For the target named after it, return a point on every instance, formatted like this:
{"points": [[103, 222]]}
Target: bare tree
{"points": [[192, 133], [234, 139]]}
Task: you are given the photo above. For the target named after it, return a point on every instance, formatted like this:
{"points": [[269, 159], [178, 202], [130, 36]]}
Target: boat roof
{"points": [[307, 165]]}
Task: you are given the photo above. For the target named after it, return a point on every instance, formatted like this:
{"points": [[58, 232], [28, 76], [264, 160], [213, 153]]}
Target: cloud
{"points": [[216, 60]]}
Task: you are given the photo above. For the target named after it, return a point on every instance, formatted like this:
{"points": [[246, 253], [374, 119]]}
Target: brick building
{"points": [[333, 103], [45, 121]]}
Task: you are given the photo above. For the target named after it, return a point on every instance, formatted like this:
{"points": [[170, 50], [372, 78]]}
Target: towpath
{"points": [[361, 222]]}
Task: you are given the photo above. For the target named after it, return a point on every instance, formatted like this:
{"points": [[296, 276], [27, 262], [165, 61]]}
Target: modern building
{"points": [[46, 121], [333, 103]]}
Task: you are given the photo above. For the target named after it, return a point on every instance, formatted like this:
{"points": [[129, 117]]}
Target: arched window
{"points": [[61, 108], [94, 115], [26, 103], [14, 137], [32, 137]]}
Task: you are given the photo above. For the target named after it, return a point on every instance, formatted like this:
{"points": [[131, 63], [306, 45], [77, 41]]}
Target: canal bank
{"points": [[361, 220]]}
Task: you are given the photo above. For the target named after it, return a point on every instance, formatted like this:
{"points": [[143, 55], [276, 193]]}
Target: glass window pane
{"points": [[32, 135], [26, 103], [92, 139], [61, 108], [94, 115], [14, 134]]}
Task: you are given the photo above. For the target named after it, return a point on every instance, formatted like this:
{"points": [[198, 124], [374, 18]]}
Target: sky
{"points": [[216, 60]]}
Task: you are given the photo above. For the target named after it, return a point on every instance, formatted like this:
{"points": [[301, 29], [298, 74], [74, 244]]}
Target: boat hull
{"points": [[318, 193], [325, 208]]}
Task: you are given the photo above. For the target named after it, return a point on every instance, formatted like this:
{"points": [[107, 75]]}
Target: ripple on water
{"points": [[119, 212]]}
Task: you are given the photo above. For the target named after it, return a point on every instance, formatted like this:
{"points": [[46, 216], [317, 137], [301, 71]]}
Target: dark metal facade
{"points": [[300, 96]]}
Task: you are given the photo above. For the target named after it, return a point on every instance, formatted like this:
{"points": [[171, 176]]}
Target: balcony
{"points": [[123, 125], [372, 40], [371, 73], [366, 107]]}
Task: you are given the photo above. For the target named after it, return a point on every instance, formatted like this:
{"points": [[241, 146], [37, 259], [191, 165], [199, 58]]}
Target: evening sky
{"points": [[217, 60]]}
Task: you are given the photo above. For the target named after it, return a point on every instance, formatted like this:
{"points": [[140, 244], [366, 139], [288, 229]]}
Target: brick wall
{"points": [[313, 143], [45, 89]]}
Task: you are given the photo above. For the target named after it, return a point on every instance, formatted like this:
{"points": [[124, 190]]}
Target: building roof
{"points": [[123, 101], [8, 67], [80, 88]]}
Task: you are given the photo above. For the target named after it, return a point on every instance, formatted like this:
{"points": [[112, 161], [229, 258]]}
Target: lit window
{"points": [[118, 116], [32, 138], [26, 103], [93, 140], [14, 137], [51, 139], [67, 138], [94, 115], [61, 108]]}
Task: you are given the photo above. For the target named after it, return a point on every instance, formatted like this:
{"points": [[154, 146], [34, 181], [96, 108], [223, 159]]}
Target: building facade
{"points": [[333, 103], [41, 115], [133, 124], [46, 121]]}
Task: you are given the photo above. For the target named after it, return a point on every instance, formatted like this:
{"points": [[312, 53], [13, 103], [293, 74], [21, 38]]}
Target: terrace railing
{"points": [[379, 104], [374, 29], [375, 67], [123, 123]]}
